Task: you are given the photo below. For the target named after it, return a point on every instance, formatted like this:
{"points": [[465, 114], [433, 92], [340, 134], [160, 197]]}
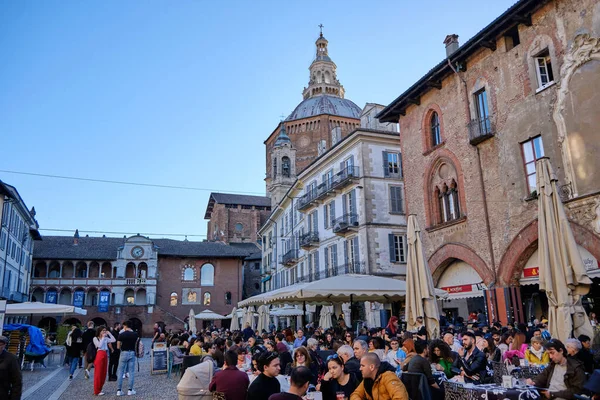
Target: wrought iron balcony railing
{"points": [[345, 223], [308, 240], [291, 257], [481, 129]]}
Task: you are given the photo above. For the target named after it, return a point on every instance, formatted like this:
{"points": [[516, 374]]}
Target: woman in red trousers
{"points": [[101, 341]]}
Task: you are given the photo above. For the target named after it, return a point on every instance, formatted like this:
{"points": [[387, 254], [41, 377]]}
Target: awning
{"points": [[531, 271], [37, 308], [208, 315], [265, 279], [287, 311], [461, 281]]}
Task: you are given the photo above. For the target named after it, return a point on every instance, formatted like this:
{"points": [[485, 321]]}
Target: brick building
{"points": [[323, 118], [137, 278], [525, 86]]}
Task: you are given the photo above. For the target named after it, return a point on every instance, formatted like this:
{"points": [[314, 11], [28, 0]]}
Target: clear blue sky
{"points": [[185, 92]]}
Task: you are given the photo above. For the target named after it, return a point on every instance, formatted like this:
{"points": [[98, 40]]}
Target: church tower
{"points": [[323, 79], [283, 167]]}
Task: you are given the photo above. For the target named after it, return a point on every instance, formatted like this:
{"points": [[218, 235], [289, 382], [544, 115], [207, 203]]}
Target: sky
{"points": [[184, 93]]}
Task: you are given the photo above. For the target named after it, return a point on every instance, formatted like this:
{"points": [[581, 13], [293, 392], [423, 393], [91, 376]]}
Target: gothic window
{"points": [[444, 197], [434, 126], [448, 202], [173, 301], [206, 301], [286, 167], [188, 273], [207, 275]]}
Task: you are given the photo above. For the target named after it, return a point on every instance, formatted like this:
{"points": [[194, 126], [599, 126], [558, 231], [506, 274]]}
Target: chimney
{"points": [[76, 237], [451, 43]]}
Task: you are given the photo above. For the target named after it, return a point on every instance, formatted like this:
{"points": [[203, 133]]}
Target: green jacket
{"points": [[574, 379]]}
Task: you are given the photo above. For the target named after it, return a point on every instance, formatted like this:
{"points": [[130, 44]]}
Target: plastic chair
{"points": [[171, 367]]}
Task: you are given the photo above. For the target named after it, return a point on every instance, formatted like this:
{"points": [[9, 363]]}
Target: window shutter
{"points": [[342, 169], [400, 165], [334, 263], [353, 205], [386, 170], [332, 211], [346, 244], [344, 204], [325, 216], [316, 221], [392, 247], [317, 260], [326, 258], [356, 252]]}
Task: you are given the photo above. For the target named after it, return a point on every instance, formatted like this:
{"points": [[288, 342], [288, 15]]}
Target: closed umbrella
{"points": [[261, 318], [325, 318], [562, 273], [420, 293], [192, 321], [235, 321], [249, 317]]}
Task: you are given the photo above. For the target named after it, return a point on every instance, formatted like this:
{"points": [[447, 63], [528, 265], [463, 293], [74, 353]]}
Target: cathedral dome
{"points": [[325, 104]]}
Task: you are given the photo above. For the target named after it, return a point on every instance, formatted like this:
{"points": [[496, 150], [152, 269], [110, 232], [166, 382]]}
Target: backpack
{"points": [[90, 353], [139, 348]]}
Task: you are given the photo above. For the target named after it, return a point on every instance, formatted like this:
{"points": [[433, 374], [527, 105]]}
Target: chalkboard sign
{"points": [[160, 359]]}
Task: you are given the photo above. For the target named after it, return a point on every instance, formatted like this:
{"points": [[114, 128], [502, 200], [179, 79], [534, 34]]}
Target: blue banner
{"points": [[103, 302], [51, 296], [78, 298]]}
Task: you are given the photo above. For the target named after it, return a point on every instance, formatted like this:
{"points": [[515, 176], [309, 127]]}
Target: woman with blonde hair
{"points": [[536, 354]]}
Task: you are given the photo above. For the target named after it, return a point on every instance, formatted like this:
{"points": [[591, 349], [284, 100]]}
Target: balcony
{"points": [[291, 257], [309, 240], [306, 201], [345, 177], [481, 129], [329, 187], [136, 281], [280, 280], [345, 224]]}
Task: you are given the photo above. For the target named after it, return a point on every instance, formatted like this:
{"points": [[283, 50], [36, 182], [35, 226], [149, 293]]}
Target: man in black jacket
{"points": [[351, 363], [564, 377], [471, 363], [11, 380], [88, 336]]}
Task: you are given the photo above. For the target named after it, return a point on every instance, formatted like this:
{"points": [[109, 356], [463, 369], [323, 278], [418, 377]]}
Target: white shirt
{"points": [[557, 382], [102, 344]]}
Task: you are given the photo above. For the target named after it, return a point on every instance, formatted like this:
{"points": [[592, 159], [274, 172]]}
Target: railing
{"points": [[338, 181], [136, 281], [309, 239], [291, 257], [481, 129], [344, 223], [279, 280]]}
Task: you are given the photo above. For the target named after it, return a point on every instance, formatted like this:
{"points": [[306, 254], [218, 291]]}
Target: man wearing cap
{"points": [[11, 380]]}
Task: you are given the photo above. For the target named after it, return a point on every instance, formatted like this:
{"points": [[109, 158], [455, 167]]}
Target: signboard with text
{"points": [[103, 301], [78, 297], [51, 297]]}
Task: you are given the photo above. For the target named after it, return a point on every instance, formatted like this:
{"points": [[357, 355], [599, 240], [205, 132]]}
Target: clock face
{"points": [[137, 252]]}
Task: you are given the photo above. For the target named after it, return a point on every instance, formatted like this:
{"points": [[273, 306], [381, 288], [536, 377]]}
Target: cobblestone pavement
{"points": [[54, 384]]}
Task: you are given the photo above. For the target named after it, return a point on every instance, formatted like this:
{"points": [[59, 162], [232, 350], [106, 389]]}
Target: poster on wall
{"points": [[191, 296], [78, 297], [103, 301], [51, 297]]}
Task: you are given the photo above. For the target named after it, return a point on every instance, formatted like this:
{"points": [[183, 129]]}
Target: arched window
{"points": [[188, 274], [285, 167], [434, 125], [206, 299], [207, 275], [227, 297], [173, 301], [448, 202], [129, 297]]}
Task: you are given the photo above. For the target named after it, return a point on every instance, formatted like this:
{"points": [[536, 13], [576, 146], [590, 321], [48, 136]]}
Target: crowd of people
{"points": [[338, 363], [357, 366]]}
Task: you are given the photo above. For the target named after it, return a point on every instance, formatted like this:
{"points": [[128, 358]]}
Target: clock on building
{"points": [[137, 252]]}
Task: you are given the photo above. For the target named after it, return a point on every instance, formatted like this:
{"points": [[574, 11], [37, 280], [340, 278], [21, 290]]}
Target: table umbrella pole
{"points": [[303, 315]]}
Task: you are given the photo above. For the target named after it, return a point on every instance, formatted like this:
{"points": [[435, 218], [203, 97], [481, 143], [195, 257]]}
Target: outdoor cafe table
{"points": [[460, 391]]}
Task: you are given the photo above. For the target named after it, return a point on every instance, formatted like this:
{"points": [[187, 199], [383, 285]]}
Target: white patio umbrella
{"points": [[192, 321], [325, 317], [208, 315], [37, 308], [263, 318], [420, 293], [249, 317], [562, 273], [287, 311], [235, 321]]}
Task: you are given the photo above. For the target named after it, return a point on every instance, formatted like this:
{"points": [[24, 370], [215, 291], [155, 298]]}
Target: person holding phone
{"points": [[101, 341]]}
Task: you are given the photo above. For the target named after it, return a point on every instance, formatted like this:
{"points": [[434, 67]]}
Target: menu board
{"points": [[159, 359]]}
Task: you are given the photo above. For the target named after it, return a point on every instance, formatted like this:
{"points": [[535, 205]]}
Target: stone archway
{"points": [[525, 243], [445, 255]]}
